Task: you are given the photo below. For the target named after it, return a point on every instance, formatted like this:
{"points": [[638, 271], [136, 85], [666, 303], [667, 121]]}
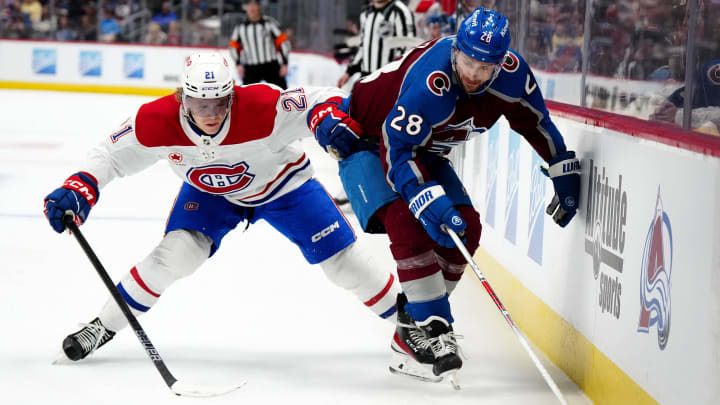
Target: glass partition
{"points": [[632, 58]]}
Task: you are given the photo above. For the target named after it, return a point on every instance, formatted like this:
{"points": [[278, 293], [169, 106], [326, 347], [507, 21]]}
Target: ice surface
{"points": [[255, 311]]}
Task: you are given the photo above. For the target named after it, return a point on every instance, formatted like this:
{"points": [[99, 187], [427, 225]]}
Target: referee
{"points": [[260, 48], [379, 21]]}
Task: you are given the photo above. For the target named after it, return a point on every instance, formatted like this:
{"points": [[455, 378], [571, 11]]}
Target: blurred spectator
{"points": [[165, 16], [567, 42], [33, 9], [646, 53], [705, 104], [155, 35], [198, 10], [46, 24], [88, 28], [464, 8], [537, 48], [64, 32], [437, 26], [174, 36], [202, 34], [109, 26]]}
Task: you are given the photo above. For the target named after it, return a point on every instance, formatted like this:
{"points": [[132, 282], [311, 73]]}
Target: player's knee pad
{"points": [[178, 255], [347, 270], [358, 273]]}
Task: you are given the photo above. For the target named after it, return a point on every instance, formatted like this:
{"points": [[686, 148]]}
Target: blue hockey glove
{"points": [[564, 171], [335, 131], [77, 195], [434, 210]]}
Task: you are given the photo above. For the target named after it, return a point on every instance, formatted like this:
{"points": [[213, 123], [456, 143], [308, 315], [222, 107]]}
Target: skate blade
{"points": [[452, 377], [61, 359], [402, 364], [416, 376]]}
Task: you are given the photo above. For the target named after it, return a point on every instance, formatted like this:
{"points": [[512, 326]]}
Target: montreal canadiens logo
{"points": [[438, 81], [511, 62], [221, 179]]}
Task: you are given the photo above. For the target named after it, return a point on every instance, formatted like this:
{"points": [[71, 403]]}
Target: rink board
{"points": [[623, 298], [125, 68]]}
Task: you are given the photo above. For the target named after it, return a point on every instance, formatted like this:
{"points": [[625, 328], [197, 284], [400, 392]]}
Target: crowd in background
{"points": [[149, 21], [636, 40]]}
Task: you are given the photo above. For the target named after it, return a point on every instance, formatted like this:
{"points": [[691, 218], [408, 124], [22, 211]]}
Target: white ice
{"points": [[255, 312]]}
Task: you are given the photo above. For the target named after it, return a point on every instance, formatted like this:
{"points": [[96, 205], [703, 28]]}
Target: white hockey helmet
{"points": [[207, 75]]}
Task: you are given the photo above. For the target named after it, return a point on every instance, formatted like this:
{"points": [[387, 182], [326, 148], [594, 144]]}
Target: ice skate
{"points": [[92, 336], [443, 344], [412, 353]]}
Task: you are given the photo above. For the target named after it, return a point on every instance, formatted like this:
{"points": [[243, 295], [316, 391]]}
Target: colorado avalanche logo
{"points": [[438, 81], [467, 126], [511, 62], [713, 74], [655, 276], [220, 179]]}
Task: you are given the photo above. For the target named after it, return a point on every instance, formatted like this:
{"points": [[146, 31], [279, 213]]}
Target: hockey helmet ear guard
{"points": [[484, 36]]}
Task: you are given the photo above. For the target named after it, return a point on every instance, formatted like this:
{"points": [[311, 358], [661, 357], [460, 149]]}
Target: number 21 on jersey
{"points": [[294, 99]]}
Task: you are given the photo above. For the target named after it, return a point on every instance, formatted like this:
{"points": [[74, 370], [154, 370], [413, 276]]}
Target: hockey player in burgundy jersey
{"points": [[413, 111], [233, 148]]}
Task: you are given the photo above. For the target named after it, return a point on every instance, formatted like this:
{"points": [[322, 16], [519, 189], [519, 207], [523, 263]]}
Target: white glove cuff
{"points": [[564, 167]]}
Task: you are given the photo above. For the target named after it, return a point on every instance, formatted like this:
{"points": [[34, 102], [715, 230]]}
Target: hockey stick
{"points": [[177, 387], [506, 314]]}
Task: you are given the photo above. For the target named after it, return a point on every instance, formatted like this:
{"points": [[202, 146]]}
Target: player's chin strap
{"points": [[485, 85]]}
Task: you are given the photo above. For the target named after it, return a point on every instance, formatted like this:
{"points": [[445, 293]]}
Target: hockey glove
{"points": [[564, 171], [335, 131], [77, 195], [434, 210]]}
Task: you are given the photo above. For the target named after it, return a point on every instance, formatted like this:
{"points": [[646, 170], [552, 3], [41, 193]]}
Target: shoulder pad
{"points": [[512, 77], [157, 123]]}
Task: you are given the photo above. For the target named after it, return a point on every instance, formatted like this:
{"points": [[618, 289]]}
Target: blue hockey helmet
{"points": [[484, 36]]}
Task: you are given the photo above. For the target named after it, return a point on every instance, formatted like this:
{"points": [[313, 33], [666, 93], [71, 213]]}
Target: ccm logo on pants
{"points": [[325, 232]]}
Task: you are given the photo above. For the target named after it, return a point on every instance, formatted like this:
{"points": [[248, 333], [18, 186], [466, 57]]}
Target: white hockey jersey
{"points": [[253, 159]]}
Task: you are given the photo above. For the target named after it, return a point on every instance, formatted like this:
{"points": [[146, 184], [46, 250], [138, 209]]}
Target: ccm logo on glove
{"points": [[75, 183]]}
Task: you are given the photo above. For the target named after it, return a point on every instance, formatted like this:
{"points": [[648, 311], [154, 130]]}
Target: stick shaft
{"points": [[506, 315], [167, 376]]}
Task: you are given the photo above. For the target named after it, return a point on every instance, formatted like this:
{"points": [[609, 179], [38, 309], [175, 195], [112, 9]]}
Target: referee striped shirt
{"points": [[255, 43], [376, 25]]}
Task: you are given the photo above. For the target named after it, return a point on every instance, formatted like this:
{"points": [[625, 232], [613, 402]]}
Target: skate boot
{"points": [[80, 344], [443, 343], [412, 350]]}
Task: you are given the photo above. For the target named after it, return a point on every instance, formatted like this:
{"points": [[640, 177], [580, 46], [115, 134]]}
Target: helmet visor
{"points": [[207, 107]]}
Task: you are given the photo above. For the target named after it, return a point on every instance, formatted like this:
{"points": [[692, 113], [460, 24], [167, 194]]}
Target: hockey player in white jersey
{"points": [[233, 146]]}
